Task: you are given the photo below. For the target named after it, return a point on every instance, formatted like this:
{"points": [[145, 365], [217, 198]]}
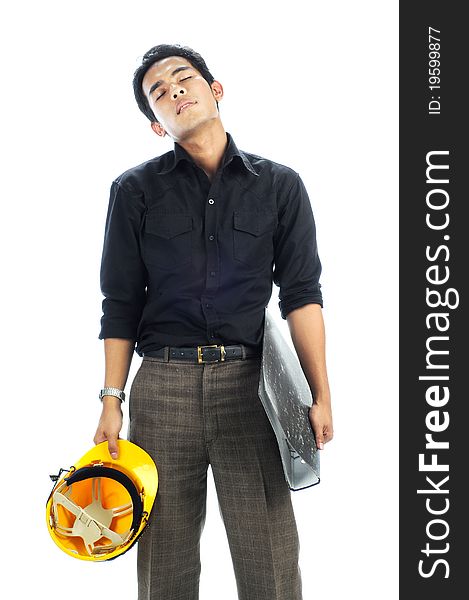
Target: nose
{"points": [[179, 90]]}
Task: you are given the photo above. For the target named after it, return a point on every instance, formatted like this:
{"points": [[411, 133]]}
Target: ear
{"points": [[158, 128], [217, 90]]}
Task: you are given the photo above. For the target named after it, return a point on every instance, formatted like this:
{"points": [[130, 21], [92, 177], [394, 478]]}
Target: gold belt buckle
{"points": [[200, 359]]}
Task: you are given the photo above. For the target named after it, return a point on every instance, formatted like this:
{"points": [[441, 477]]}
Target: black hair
{"points": [[158, 53]]}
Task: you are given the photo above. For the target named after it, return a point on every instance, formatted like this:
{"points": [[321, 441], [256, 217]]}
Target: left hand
{"points": [[320, 417]]}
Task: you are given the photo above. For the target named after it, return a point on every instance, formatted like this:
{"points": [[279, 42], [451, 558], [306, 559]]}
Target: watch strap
{"points": [[112, 391]]}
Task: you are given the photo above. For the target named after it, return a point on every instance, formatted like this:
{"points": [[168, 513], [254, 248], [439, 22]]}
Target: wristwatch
{"points": [[112, 391]]}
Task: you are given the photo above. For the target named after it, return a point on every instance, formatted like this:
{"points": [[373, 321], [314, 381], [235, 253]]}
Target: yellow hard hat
{"points": [[99, 509]]}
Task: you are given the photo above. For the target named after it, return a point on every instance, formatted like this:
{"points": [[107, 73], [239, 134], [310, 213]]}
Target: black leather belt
{"points": [[205, 354]]}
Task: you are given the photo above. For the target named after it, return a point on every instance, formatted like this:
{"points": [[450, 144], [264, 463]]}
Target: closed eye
{"points": [[184, 79]]}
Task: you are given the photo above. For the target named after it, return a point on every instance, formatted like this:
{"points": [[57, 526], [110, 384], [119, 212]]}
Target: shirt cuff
{"points": [[117, 330], [288, 306]]}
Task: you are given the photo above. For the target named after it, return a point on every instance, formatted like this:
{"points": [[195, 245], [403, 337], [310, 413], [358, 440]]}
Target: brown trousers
{"points": [[187, 416]]}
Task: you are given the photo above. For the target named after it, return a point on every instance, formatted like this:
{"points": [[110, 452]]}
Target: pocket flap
{"points": [[255, 223], [168, 226]]}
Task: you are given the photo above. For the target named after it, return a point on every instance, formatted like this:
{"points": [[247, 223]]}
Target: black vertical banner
{"points": [[434, 268]]}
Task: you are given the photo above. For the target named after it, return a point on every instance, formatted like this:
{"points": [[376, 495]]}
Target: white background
{"points": [[312, 85]]}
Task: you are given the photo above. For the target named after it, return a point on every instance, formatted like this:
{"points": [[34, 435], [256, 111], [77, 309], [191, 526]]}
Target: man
{"points": [[193, 240]]}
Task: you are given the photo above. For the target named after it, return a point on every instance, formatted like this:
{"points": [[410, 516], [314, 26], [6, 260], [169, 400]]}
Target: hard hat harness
{"points": [[93, 522]]}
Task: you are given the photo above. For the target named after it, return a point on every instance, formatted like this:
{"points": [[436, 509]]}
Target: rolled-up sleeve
{"points": [[297, 266], [123, 272]]}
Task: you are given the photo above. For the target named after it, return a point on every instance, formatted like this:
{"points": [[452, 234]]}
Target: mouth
{"points": [[185, 105]]}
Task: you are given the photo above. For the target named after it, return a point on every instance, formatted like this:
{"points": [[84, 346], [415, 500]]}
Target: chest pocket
{"points": [[168, 240], [253, 237]]}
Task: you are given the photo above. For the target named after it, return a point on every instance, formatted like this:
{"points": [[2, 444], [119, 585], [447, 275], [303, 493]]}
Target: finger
{"points": [[112, 447], [99, 437], [319, 440]]}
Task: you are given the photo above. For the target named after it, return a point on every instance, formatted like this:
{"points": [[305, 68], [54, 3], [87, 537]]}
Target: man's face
{"points": [[168, 85]]}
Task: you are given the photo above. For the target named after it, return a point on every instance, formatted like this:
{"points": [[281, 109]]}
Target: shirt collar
{"points": [[179, 153]]}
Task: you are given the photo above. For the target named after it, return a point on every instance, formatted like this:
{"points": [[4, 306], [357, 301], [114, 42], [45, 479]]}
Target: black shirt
{"points": [[190, 262]]}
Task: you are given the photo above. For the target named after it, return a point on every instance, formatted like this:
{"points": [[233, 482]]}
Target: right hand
{"points": [[110, 424]]}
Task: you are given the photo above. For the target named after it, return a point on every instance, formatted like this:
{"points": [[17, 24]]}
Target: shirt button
{"points": [[211, 201], [208, 305], [211, 237], [212, 273]]}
